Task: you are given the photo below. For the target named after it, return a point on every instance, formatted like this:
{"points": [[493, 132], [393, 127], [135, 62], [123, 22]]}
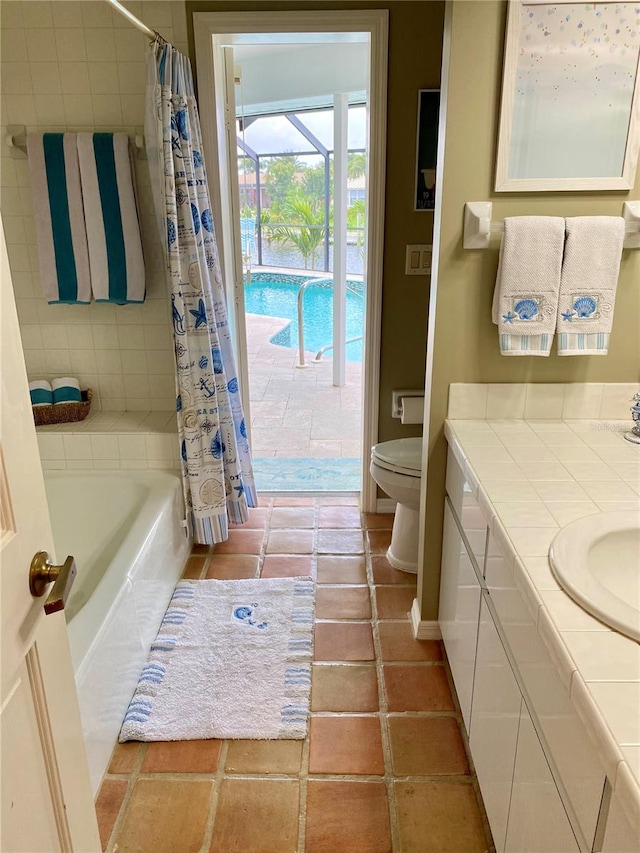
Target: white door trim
{"points": [[208, 27]]}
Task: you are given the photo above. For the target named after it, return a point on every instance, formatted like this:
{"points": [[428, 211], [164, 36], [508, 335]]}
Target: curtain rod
{"points": [[132, 19]]}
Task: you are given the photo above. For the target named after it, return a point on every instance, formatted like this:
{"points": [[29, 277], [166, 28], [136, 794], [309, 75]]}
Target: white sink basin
{"points": [[596, 560]]}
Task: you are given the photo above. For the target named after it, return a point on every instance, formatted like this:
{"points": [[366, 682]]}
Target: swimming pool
{"points": [[276, 295]]}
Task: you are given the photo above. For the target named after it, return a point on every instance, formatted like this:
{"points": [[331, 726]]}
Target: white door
{"points": [[238, 274], [226, 204], [45, 796]]}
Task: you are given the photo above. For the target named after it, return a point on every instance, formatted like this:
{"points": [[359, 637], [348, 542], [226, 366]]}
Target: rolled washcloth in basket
{"points": [[41, 393], [113, 229], [66, 390]]}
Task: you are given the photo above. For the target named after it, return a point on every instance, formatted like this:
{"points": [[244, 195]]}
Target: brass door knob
{"points": [[42, 573]]}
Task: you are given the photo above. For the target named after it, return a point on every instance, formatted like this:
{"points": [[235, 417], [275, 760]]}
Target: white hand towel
{"points": [[525, 300], [41, 393], [66, 390], [59, 217], [593, 249], [113, 229]]}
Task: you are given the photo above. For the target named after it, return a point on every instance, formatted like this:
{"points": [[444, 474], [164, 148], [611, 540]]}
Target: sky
{"points": [[277, 135]]}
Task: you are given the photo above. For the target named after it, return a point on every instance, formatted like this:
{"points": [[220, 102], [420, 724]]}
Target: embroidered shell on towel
{"points": [[585, 306], [526, 309]]}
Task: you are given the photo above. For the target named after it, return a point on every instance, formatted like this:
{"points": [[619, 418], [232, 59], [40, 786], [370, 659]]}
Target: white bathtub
{"points": [[124, 530]]}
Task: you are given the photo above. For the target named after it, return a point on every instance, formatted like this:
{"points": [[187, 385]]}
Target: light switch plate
{"points": [[418, 260]]}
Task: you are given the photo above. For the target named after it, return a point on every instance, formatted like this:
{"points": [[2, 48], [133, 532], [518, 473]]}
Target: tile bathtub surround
{"points": [[600, 667], [540, 401], [384, 767], [76, 65], [112, 440], [79, 66]]}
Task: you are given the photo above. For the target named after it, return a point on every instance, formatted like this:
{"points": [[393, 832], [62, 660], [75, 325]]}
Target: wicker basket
{"points": [[63, 413]]}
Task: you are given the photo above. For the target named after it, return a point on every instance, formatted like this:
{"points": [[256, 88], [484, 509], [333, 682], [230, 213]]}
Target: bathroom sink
{"points": [[596, 560]]}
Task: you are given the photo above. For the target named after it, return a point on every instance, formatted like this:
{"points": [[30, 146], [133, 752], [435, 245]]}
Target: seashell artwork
{"points": [[585, 306], [526, 309]]}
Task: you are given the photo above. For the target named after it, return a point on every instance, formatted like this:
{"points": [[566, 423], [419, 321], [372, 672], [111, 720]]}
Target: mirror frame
{"points": [[503, 182]]}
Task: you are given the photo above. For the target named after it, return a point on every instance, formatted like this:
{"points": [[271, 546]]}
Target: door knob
{"points": [[42, 572]]}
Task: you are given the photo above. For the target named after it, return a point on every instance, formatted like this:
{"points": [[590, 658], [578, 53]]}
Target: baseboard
{"points": [[422, 628], [385, 505]]}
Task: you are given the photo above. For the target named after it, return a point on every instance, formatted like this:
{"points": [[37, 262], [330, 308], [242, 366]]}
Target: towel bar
{"points": [[479, 226], [16, 140]]}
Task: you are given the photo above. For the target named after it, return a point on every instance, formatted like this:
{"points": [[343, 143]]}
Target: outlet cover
{"points": [[418, 259]]}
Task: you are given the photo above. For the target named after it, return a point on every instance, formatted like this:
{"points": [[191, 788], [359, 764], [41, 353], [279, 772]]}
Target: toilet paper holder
{"points": [[396, 400]]}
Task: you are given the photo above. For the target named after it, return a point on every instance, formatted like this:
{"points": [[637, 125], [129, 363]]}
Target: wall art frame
{"points": [[570, 109], [426, 148]]}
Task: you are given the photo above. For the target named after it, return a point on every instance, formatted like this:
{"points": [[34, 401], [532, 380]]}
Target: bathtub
{"points": [[124, 530]]}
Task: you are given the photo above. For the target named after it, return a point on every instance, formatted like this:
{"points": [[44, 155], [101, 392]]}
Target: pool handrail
{"points": [[303, 287], [322, 350]]}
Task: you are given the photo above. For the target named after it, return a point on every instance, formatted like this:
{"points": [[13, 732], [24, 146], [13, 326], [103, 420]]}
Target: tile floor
{"points": [[384, 767]]}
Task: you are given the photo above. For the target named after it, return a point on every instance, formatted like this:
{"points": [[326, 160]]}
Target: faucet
{"points": [[634, 433]]}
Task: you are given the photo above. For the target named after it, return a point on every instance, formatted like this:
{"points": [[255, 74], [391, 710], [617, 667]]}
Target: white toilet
{"points": [[396, 466]]}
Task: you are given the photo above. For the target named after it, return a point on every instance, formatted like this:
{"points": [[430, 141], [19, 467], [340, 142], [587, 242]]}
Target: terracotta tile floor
{"points": [[384, 767]]}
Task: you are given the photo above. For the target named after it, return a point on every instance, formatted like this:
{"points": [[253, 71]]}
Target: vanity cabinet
{"points": [[540, 778], [468, 513], [524, 807], [566, 739], [619, 835], [537, 818], [459, 611], [495, 719]]}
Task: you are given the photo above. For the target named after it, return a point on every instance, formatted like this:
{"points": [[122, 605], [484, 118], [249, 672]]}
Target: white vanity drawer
{"points": [[467, 510]]}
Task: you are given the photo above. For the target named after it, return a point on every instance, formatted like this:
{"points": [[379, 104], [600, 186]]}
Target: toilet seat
{"points": [[402, 456]]}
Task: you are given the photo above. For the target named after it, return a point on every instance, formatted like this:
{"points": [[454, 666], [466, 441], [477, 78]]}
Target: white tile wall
{"points": [[540, 401], [80, 66], [112, 440]]}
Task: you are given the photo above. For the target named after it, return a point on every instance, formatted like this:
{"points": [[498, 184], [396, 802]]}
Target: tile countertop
{"points": [[532, 477]]}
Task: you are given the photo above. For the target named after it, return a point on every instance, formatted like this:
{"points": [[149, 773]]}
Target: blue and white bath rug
{"points": [[232, 659]]}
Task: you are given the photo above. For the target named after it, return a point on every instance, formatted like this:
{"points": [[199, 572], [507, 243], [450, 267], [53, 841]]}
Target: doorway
{"points": [[313, 403]]}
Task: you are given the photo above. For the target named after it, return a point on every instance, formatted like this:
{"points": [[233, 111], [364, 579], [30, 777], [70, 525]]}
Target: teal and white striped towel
{"points": [[113, 229], [59, 217]]}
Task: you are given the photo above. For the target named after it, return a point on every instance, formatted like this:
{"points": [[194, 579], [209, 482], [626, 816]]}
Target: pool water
{"points": [[276, 298]]}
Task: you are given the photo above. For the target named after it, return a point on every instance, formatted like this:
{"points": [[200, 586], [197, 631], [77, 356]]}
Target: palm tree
{"points": [[280, 178], [356, 214], [308, 236], [356, 164]]}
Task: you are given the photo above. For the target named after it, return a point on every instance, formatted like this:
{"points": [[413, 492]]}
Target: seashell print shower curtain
{"points": [[217, 471]]}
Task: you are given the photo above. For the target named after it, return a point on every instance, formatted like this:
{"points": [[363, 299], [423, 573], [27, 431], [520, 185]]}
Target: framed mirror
{"points": [[570, 113]]}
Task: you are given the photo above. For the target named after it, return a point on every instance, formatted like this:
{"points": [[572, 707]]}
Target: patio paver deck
{"points": [[298, 412]]}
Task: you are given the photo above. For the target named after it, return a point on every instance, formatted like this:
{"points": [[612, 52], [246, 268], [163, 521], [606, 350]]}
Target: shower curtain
{"points": [[217, 471]]}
